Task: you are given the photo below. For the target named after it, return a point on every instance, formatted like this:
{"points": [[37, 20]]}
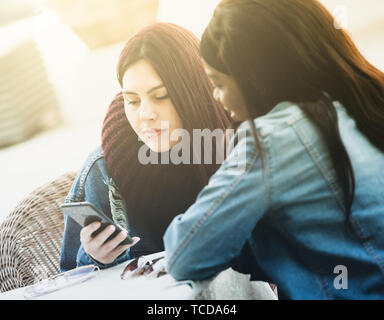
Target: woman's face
{"points": [[148, 107], [227, 92]]}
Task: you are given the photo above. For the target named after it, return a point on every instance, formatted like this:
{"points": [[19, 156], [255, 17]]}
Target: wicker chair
{"points": [[30, 237]]}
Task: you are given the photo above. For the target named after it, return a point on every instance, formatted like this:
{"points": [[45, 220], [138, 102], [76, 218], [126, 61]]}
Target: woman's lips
{"points": [[153, 132]]}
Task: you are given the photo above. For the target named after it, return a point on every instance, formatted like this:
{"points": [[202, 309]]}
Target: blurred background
{"points": [[57, 74]]}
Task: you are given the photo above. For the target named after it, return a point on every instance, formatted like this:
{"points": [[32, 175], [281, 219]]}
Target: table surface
{"points": [[107, 285]]}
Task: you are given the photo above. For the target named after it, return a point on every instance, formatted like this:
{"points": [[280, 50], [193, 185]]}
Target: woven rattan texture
{"points": [[31, 236]]}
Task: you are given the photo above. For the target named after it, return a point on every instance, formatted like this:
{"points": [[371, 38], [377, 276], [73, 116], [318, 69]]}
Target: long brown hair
{"points": [[290, 50], [174, 53]]}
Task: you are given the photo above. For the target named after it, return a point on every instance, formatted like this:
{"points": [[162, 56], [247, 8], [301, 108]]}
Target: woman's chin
{"points": [[158, 147]]}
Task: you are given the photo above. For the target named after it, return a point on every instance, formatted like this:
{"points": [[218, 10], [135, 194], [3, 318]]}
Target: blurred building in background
{"points": [[57, 74], [28, 103], [47, 34], [99, 22]]}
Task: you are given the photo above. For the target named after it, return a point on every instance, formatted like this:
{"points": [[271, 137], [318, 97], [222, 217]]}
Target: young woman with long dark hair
{"points": [[307, 211], [163, 82]]}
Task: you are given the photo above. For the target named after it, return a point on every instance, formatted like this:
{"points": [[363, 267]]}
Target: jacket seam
{"points": [[324, 288], [292, 119], [366, 244], [72, 198], [316, 159], [80, 193], [210, 211], [269, 182]]}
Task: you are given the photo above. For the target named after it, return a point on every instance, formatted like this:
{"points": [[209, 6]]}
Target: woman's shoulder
{"points": [[286, 114], [282, 128], [96, 157], [283, 115], [93, 171]]}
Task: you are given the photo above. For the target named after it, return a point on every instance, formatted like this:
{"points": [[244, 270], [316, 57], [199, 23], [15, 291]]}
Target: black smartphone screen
{"points": [[84, 213]]}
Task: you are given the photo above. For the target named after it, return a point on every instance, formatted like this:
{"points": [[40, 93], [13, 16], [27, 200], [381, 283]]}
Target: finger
{"points": [[119, 250], [86, 232], [103, 236], [113, 243], [111, 255]]}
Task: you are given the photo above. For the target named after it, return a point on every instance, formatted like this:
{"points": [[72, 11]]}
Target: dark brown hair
{"points": [[291, 50], [174, 54]]}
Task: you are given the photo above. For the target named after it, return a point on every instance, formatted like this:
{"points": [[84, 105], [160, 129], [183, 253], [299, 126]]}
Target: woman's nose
{"points": [[146, 112]]}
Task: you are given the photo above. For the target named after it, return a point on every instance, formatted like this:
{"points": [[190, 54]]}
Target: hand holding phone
{"points": [[101, 238], [102, 247]]}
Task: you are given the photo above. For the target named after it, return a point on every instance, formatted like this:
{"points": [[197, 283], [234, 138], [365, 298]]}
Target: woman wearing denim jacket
{"points": [[300, 200], [164, 89]]}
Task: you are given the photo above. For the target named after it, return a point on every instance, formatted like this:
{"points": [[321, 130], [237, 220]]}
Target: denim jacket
{"points": [[93, 185], [283, 220]]}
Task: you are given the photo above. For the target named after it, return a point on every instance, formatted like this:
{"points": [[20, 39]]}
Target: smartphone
{"points": [[84, 213]]}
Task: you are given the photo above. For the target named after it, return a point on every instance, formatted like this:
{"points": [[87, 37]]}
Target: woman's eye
{"points": [[132, 102], [162, 97]]}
